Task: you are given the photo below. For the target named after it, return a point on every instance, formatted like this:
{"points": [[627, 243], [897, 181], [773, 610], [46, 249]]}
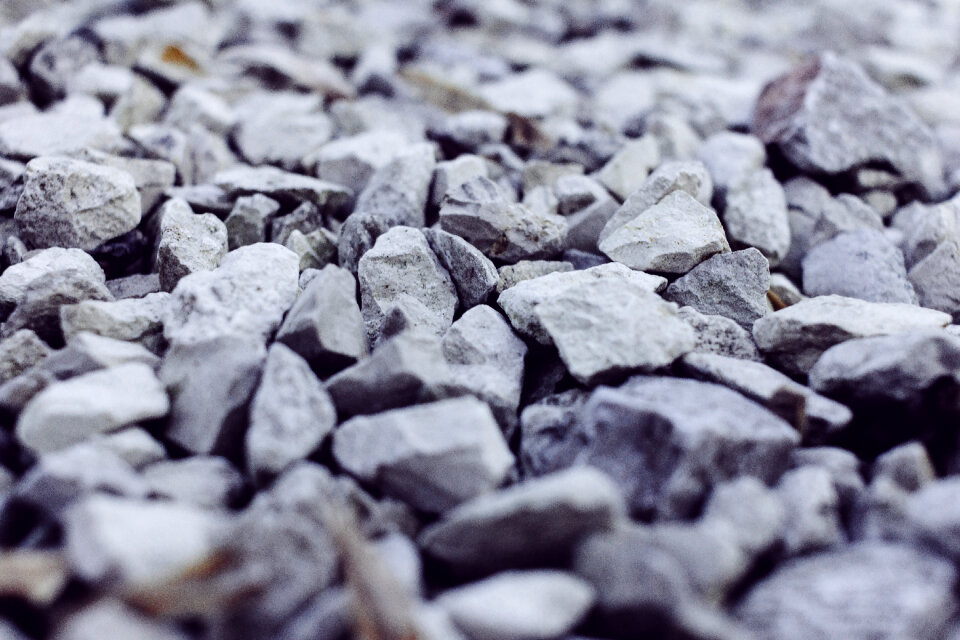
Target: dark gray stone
{"points": [[858, 264]]}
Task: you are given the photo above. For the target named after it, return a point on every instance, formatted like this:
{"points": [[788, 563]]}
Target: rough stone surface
{"points": [[756, 215], [189, 242], [21, 351], [935, 278], [15, 279], [248, 220], [279, 184], [132, 319], [719, 335], [472, 272]]}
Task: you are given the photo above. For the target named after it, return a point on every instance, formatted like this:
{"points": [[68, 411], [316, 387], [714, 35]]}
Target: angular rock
{"points": [[152, 177], [812, 511], [133, 445], [316, 249], [453, 173], [719, 335], [70, 203], [795, 337], [756, 215], [53, 133], [433, 456], [209, 482], [733, 285], [247, 222], [18, 353], [512, 274], [605, 329], [543, 428], [189, 242], [305, 219], [246, 295], [519, 604], [626, 171], [536, 93], [587, 206], [352, 161], [503, 530], [290, 415], [472, 129], [133, 319], [283, 185], [908, 465], [731, 157], [858, 264], [478, 212], [865, 123], [472, 272], [282, 131], [401, 264], [672, 236], [935, 278], [114, 617]]}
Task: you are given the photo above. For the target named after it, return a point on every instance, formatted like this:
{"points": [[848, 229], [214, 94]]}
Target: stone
{"points": [[70, 203], [290, 414], [189, 242], [247, 295], [325, 325], [925, 228], [935, 277], [520, 301], [133, 445], [536, 93], [433, 456], [210, 383], [305, 219], [795, 337], [401, 264], [672, 236], [931, 518], [248, 220], [472, 129], [284, 186], [605, 329], [478, 212], [192, 104], [352, 161], [713, 435], [18, 353], [858, 264], [865, 590], [152, 177], [512, 274], [756, 216], [754, 511], [281, 133], [69, 412], [132, 319], [814, 416], [908, 465], [53, 133], [316, 249], [731, 157], [40, 264], [691, 177], [473, 274], [503, 529], [812, 511], [719, 335], [733, 285], [543, 428], [209, 482], [587, 206], [626, 171], [453, 173], [108, 616], [867, 124], [519, 604], [785, 290]]}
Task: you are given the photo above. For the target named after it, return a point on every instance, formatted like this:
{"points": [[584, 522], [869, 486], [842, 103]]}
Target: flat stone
{"points": [[433, 456], [325, 325], [137, 285], [283, 185], [353, 160], [21, 351], [189, 242], [672, 236], [70, 412], [520, 301], [795, 337], [132, 319], [290, 415], [478, 212], [733, 285], [504, 529], [756, 215], [401, 264], [247, 222], [605, 329], [811, 414], [473, 274], [512, 274], [858, 264], [247, 295], [866, 590], [69, 203], [867, 124], [519, 604]]}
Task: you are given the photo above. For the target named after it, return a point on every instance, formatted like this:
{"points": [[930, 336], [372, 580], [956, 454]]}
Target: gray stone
{"points": [[691, 177], [18, 353], [152, 177], [935, 278], [504, 529], [719, 335], [543, 428], [315, 249], [627, 170], [587, 207], [69, 412], [927, 227], [352, 161], [520, 301], [53, 133], [931, 518], [400, 265], [133, 445], [305, 219], [283, 185], [519, 604], [811, 414], [290, 415], [453, 173], [189, 242], [192, 104], [866, 124], [908, 465], [109, 617], [795, 337], [41, 264], [325, 325], [733, 285], [472, 272], [433, 456], [672, 236], [132, 319], [473, 129], [731, 157], [812, 511], [246, 295], [754, 512], [866, 590], [756, 215], [858, 264], [783, 288], [605, 329], [536, 93], [247, 222], [209, 482], [210, 384], [512, 274], [478, 212], [70, 203], [281, 130]]}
